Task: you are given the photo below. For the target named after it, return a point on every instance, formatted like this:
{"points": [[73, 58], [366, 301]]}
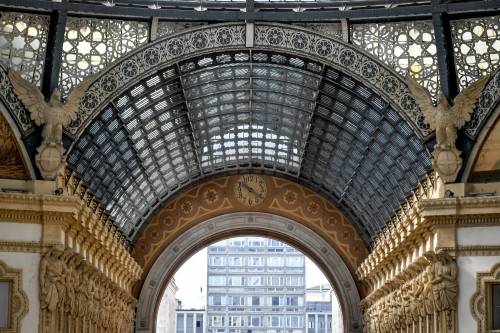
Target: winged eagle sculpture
{"points": [[54, 115], [446, 119]]}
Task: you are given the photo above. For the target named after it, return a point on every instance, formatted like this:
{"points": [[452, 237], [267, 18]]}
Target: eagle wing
{"points": [[465, 102], [73, 101], [423, 100], [30, 96]]}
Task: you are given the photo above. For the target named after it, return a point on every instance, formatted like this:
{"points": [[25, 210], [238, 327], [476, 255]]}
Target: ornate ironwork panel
{"points": [[163, 51], [23, 40], [332, 30], [14, 105], [405, 46], [91, 44], [488, 102], [166, 28], [476, 43]]}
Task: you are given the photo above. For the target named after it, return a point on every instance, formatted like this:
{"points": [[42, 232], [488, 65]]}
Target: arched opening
{"points": [[248, 224], [249, 284]]}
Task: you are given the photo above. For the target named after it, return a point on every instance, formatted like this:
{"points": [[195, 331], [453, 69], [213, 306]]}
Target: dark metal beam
{"points": [[53, 55], [268, 11], [445, 55]]}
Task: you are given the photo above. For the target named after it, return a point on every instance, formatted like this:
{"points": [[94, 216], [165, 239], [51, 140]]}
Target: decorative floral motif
{"points": [[324, 48], [92, 44], [299, 40], [476, 46], [199, 40], [290, 197], [224, 36], [275, 36], [211, 196], [405, 46], [23, 40]]}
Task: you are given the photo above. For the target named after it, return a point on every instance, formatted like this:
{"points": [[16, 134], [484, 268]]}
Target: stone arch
{"points": [[202, 40], [260, 224]]}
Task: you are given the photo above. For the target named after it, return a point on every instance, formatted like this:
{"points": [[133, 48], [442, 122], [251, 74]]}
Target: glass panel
{"points": [[476, 45], [91, 44], [4, 304], [23, 40], [496, 306]]}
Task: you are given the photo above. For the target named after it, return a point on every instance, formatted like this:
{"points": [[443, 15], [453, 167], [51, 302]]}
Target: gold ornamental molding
{"points": [[18, 306], [75, 220], [414, 230], [475, 250], [482, 297], [13, 246]]}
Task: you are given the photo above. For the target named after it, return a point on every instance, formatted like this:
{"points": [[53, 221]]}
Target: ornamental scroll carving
{"points": [[18, 299], [76, 297], [420, 300], [479, 301]]}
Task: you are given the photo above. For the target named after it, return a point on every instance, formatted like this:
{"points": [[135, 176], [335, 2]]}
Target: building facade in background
{"points": [[191, 321], [255, 285], [319, 315], [165, 322]]}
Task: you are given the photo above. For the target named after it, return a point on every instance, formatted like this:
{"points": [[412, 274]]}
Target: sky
{"points": [[191, 279]]}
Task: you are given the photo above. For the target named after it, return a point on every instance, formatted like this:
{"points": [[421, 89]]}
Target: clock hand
{"points": [[251, 190]]}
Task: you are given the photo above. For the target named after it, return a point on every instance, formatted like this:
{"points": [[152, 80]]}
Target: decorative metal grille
{"points": [[406, 46], [476, 45], [91, 44], [250, 110], [332, 30], [23, 40], [169, 28]]}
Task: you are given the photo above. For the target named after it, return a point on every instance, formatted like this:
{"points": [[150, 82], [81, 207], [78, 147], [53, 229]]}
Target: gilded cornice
{"points": [[14, 246], [78, 216], [424, 218]]}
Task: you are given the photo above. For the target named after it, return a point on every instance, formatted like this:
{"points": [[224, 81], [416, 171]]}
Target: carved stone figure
{"points": [[446, 119], [52, 280], [54, 116]]}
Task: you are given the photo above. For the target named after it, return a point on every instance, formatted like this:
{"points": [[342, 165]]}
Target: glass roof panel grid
{"points": [[139, 150], [244, 112], [356, 151]]}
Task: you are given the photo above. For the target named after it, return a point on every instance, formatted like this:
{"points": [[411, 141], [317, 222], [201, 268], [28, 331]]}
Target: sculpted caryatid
{"points": [[54, 116], [52, 280], [446, 119]]}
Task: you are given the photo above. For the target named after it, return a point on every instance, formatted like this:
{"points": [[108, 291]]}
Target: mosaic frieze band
{"points": [[217, 197]]}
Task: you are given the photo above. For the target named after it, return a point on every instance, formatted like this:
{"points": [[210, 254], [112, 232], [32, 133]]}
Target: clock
{"points": [[250, 190]]}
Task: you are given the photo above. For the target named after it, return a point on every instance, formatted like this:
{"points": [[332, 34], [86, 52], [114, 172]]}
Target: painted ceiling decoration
{"points": [[12, 165]]}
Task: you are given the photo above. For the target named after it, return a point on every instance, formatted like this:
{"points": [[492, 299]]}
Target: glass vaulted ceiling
{"points": [[244, 110]]}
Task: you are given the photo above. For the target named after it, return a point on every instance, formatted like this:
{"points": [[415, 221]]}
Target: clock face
{"points": [[250, 190]]}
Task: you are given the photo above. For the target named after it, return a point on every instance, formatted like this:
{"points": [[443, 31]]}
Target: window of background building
{"points": [[4, 304], [495, 310]]}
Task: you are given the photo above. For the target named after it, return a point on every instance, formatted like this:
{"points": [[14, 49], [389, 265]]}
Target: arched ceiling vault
{"points": [[250, 110]]}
